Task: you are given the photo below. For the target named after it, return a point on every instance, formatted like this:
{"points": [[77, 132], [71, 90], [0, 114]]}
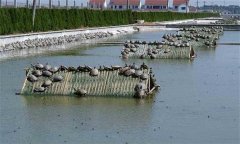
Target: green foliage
{"points": [[20, 20]]}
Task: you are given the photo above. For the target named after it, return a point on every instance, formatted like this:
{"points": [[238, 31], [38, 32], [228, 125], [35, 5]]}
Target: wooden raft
{"points": [[107, 83]]}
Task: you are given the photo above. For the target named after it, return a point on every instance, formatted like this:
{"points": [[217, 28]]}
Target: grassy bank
{"points": [[20, 20]]}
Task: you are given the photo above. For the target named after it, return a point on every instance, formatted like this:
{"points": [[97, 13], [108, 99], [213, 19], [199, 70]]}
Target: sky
{"points": [[192, 2]]}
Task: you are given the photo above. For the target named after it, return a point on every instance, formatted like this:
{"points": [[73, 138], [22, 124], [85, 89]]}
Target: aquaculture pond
{"points": [[198, 101]]}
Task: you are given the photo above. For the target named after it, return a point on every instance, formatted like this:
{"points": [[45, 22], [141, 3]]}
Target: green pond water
{"points": [[198, 102]]}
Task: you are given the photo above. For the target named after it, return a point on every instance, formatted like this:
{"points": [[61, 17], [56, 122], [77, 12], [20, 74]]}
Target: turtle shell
{"points": [[47, 83], [46, 73], [144, 76], [37, 73], [32, 78], [129, 72], [80, 92], [47, 67], [57, 78], [94, 72], [39, 89], [39, 66]]}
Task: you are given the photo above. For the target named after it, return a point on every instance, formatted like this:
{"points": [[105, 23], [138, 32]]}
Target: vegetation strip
{"points": [[20, 20]]}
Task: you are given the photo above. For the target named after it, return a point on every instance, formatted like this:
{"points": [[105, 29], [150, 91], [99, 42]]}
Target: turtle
{"points": [[47, 83], [143, 66], [129, 72], [62, 68], [134, 66], [54, 69], [88, 68], [39, 89], [116, 67], [47, 67], [140, 94], [80, 92], [133, 50], [123, 69], [57, 78], [101, 68], [125, 56], [39, 66], [81, 68], [138, 73], [72, 69], [94, 72], [107, 68], [144, 76], [32, 78], [37, 73], [153, 56], [46, 73], [140, 86]]}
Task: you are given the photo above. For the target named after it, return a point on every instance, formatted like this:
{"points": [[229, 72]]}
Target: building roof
{"points": [[179, 2], [124, 2], [96, 1], [156, 2]]}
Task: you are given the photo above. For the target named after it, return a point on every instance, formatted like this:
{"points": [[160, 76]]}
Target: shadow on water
{"points": [[33, 101]]}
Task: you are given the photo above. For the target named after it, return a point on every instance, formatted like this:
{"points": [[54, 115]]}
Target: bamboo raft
{"points": [[109, 82], [163, 52]]}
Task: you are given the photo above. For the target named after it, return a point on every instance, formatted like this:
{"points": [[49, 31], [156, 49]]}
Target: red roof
{"points": [[156, 2], [179, 2], [124, 2], [96, 1]]}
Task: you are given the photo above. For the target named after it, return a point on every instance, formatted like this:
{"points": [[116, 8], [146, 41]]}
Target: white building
{"points": [[181, 5], [122, 4]]}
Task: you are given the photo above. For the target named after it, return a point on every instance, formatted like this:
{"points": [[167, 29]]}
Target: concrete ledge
{"points": [[6, 39]]}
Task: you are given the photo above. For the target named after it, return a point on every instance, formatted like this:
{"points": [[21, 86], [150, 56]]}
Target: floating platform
{"points": [[109, 81], [146, 51]]}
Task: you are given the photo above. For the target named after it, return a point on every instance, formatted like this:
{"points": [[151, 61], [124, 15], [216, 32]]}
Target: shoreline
{"points": [[49, 41], [18, 45]]}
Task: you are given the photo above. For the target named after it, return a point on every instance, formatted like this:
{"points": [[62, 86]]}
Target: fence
{"points": [[40, 4]]}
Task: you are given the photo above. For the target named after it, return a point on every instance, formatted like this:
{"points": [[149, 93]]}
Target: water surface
{"points": [[198, 101]]}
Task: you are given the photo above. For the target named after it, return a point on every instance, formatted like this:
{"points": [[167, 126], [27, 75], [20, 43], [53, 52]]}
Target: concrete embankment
{"points": [[32, 43]]}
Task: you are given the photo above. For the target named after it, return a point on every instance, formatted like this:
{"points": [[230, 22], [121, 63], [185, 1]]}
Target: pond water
{"points": [[198, 101]]}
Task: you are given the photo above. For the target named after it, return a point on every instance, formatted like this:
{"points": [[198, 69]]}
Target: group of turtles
{"points": [[53, 41], [185, 38], [49, 75], [47, 71]]}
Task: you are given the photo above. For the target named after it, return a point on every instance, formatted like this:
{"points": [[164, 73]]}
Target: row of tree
{"points": [[20, 20]]}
